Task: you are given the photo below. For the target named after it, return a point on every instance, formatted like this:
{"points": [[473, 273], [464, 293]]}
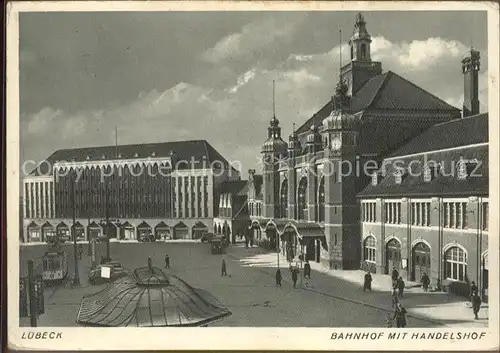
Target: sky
{"points": [[166, 76]]}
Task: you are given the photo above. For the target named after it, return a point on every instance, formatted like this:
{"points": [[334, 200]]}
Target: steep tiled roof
{"points": [[235, 187], [445, 184], [183, 150], [454, 133], [387, 91]]}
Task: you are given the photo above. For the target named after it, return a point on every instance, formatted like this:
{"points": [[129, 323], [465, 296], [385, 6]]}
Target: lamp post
{"points": [[76, 280]]}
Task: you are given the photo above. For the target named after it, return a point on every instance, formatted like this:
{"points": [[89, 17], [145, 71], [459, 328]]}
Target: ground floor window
{"points": [[455, 264], [369, 249]]}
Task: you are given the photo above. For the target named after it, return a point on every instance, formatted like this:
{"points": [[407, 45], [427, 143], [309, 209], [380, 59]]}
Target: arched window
{"points": [[363, 51], [301, 198], [284, 198], [455, 265], [370, 249], [352, 52], [321, 200]]}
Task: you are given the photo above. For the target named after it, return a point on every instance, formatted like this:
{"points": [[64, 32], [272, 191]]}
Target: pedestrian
{"points": [[307, 270], [295, 276], [223, 269], [394, 298], [167, 261], [400, 316], [80, 251], [395, 274], [388, 320], [425, 282], [476, 305], [278, 277], [473, 289], [401, 287], [246, 242], [368, 282]]}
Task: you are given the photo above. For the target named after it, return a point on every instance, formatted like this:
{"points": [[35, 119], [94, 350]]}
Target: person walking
{"points": [[400, 316], [80, 251], [223, 269], [425, 280], [368, 282], [476, 305], [295, 276], [394, 276], [473, 289], [167, 261], [278, 277], [307, 270], [401, 287]]}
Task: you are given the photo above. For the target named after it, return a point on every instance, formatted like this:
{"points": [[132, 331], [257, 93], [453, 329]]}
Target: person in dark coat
{"points": [[473, 289], [425, 282], [476, 305], [395, 274], [400, 316], [80, 251], [307, 270], [295, 276], [167, 261], [401, 287], [223, 269], [278, 277], [368, 282], [246, 242]]}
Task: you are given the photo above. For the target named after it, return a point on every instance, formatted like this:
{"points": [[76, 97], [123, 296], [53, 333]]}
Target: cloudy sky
{"points": [[208, 75]]}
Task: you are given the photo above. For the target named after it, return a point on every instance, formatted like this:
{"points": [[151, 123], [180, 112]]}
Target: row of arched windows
{"points": [[302, 200], [455, 258]]}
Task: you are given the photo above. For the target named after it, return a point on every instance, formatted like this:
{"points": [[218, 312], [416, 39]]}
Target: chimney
{"points": [[470, 69]]}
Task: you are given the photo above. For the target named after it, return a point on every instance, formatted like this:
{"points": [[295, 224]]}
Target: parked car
{"points": [[116, 271]]}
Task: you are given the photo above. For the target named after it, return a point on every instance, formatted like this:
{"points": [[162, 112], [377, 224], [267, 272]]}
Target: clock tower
{"points": [[341, 209]]}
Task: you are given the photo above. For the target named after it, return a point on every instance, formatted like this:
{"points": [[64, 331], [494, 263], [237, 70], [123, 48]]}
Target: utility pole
{"points": [[76, 280], [31, 289]]}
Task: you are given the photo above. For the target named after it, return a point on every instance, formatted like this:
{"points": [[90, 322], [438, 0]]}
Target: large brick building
{"points": [[323, 196], [161, 190]]}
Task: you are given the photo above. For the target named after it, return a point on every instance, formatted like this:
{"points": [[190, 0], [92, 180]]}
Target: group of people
{"points": [[294, 270]]}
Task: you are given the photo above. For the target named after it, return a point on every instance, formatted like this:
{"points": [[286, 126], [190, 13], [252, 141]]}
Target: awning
{"points": [[150, 298], [127, 225], [162, 225], [62, 225], [143, 225], [77, 225], [47, 225], [33, 225], [200, 226], [304, 229], [94, 225], [278, 224]]}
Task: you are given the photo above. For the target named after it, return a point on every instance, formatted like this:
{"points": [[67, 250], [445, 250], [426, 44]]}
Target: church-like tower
{"points": [[361, 67], [273, 150], [470, 68]]}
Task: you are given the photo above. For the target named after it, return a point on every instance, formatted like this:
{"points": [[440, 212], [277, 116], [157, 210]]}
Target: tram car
{"points": [[55, 266]]}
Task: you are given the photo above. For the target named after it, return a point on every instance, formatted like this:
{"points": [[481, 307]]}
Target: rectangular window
{"points": [[445, 215], [413, 215], [37, 202], [399, 212], [26, 201], [452, 214]]}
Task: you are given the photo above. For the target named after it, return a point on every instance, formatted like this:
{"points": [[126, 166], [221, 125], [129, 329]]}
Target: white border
{"points": [[235, 338]]}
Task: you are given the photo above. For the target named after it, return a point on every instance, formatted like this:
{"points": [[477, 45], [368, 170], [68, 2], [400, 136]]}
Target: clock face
{"points": [[336, 144]]}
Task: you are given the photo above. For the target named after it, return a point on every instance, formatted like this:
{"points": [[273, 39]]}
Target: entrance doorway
{"points": [[421, 261], [393, 255]]}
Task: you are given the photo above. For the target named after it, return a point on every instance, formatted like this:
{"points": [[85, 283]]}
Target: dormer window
{"points": [[103, 156], [399, 175], [136, 155], [466, 169], [87, 158], [430, 172], [120, 155], [153, 154], [376, 178]]}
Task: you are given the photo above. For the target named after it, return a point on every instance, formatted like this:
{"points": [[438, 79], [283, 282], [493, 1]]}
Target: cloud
{"points": [[234, 117], [253, 37]]}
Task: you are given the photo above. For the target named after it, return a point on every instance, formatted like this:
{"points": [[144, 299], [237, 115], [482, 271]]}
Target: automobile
{"points": [[206, 237], [218, 245], [116, 271]]}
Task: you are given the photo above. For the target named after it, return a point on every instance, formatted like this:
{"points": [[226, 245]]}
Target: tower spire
{"points": [[340, 53], [274, 101]]}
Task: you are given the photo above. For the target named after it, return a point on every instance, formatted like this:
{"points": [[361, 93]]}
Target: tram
{"points": [[55, 266]]}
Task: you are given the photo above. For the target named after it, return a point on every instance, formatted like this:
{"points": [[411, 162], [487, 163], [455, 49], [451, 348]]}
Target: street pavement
{"points": [[249, 291]]}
